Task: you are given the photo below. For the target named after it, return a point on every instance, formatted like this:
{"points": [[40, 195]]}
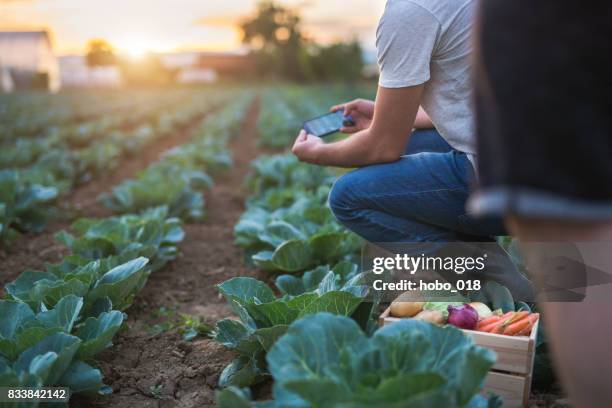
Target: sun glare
{"points": [[135, 48]]}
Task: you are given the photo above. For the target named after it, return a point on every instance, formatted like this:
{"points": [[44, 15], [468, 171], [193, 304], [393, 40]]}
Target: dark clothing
{"points": [[543, 77]]}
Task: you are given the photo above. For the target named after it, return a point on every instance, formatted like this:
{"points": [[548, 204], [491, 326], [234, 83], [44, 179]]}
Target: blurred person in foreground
{"points": [[413, 186], [543, 74]]}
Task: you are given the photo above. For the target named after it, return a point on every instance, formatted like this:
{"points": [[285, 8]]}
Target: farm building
{"points": [[228, 65], [75, 72], [28, 57], [206, 67], [185, 64]]}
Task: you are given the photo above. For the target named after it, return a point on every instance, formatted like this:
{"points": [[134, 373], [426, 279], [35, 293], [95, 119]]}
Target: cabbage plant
{"points": [[152, 234], [288, 226], [49, 347], [326, 360], [24, 206], [265, 317]]}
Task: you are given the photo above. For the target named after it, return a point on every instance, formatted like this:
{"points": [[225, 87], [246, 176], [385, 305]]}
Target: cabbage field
{"points": [[161, 248]]}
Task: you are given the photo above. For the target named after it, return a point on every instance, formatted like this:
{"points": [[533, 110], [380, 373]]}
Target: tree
{"points": [[276, 39], [273, 26], [100, 53], [275, 36], [338, 62]]}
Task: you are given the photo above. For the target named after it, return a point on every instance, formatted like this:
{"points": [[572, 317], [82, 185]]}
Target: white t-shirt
{"points": [[429, 42]]}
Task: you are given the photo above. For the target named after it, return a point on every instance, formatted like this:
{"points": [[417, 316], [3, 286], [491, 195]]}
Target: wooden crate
{"points": [[511, 375]]}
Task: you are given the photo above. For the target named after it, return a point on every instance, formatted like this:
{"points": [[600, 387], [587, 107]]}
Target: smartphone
{"points": [[328, 124]]}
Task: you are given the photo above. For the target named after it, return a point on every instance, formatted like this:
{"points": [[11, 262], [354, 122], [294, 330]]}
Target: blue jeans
{"points": [[422, 198], [419, 198]]}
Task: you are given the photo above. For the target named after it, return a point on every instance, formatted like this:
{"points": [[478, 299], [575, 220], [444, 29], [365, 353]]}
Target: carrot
{"points": [[499, 329], [518, 316], [526, 331], [511, 323], [494, 323], [487, 320], [487, 328], [533, 318], [499, 326], [515, 328], [508, 315]]}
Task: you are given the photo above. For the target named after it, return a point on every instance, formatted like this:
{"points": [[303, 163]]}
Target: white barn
{"points": [[28, 57]]}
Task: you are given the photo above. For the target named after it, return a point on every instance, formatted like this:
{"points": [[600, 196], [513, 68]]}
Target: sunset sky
{"points": [[178, 25]]}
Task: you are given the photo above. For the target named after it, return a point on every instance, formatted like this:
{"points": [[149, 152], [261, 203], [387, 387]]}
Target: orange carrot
{"points": [[499, 326], [526, 331], [533, 318], [499, 329], [515, 328], [518, 316], [487, 320], [511, 324], [487, 328], [500, 321]]}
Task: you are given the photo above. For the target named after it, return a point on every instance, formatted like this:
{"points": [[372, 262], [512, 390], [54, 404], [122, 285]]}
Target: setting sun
{"points": [[134, 47]]}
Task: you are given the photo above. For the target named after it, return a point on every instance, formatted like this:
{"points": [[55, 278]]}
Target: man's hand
{"points": [[306, 147], [383, 138], [362, 112]]}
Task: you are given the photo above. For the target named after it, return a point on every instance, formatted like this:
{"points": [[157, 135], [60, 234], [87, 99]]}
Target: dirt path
{"points": [[162, 370], [32, 251]]}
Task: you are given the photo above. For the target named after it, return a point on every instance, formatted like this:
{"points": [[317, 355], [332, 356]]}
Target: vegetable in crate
{"points": [[441, 307], [406, 309], [482, 309], [510, 324], [463, 317], [431, 316]]}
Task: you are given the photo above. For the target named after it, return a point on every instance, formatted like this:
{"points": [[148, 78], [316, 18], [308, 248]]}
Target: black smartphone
{"points": [[328, 124]]}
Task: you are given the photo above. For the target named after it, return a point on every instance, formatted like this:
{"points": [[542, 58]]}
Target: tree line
{"points": [[277, 44]]}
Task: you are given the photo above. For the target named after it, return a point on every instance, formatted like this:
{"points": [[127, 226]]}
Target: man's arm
{"points": [[383, 142], [423, 120]]}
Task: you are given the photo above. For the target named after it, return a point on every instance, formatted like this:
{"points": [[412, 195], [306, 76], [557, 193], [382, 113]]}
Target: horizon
{"points": [[192, 26]]}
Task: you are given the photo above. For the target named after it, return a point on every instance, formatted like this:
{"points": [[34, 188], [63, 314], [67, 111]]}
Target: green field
{"points": [[163, 247]]}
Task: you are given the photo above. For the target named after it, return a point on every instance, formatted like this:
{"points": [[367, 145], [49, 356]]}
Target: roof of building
{"points": [[27, 52], [24, 35]]}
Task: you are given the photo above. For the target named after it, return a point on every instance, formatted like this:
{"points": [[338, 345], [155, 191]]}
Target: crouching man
{"points": [[412, 186]]}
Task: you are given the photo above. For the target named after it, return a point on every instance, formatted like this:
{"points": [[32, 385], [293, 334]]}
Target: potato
{"points": [[431, 316], [406, 309]]}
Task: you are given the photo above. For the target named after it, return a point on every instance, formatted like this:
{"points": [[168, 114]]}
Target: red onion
{"points": [[464, 316]]}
